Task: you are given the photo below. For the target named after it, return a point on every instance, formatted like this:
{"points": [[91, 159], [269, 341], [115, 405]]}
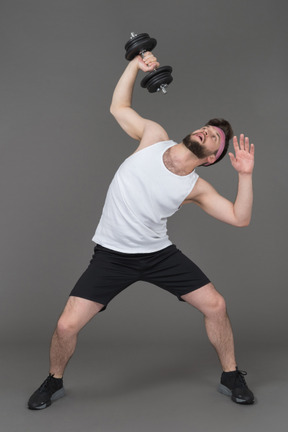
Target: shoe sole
{"points": [[57, 395], [227, 392]]}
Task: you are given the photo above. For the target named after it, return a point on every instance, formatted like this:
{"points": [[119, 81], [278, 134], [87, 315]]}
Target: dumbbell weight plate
{"points": [[155, 79], [141, 42]]}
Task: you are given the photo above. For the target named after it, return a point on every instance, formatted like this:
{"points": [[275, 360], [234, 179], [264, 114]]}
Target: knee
{"points": [[66, 327], [217, 306], [221, 304]]}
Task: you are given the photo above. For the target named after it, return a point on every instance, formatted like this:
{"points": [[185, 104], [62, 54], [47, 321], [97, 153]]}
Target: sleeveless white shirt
{"points": [[140, 198]]}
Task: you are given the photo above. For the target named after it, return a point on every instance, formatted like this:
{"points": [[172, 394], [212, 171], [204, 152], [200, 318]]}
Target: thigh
{"points": [[107, 275], [78, 312], [205, 299], [175, 272]]}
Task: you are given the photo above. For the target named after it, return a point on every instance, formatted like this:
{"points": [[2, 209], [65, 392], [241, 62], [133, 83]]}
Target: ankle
{"points": [[232, 367], [229, 371], [56, 376]]}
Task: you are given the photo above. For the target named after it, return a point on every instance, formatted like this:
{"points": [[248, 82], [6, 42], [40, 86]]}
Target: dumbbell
{"points": [[159, 78]]}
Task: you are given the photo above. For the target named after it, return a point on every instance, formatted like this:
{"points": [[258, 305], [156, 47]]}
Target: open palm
{"points": [[243, 160]]}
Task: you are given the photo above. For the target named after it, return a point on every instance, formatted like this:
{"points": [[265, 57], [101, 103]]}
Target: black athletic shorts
{"points": [[110, 272]]}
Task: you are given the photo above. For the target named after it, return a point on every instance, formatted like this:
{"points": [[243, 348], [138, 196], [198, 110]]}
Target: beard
{"points": [[197, 149]]}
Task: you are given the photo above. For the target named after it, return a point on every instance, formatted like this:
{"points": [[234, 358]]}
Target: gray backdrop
{"points": [[60, 147]]}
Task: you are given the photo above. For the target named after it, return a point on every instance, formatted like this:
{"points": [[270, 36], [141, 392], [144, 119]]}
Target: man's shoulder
{"points": [[201, 188], [153, 133]]}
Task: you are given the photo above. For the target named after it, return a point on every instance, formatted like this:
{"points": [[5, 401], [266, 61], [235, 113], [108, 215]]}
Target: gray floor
{"points": [[143, 385]]}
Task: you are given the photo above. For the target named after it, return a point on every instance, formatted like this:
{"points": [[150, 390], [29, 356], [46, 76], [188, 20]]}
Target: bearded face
{"points": [[196, 148]]}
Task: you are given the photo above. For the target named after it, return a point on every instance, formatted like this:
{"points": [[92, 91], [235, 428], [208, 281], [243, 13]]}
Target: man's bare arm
{"points": [[237, 213], [130, 121]]}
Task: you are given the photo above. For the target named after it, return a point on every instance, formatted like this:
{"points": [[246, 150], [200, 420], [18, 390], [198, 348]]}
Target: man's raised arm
{"points": [[130, 121]]}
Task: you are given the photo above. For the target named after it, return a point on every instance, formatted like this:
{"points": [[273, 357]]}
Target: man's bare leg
{"points": [[208, 301], [77, 313], [219, 331], [75, 316]]}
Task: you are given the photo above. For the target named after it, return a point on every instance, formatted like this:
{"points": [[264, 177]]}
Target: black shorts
{"points": [[110, 272]]}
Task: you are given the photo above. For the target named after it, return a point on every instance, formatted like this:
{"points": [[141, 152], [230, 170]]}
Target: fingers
{"points": [[246, 144], [150, 60], [243, 144], [232, 157], [235, 144]]}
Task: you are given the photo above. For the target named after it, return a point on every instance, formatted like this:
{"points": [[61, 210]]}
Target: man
{"points": [[132, 241]]}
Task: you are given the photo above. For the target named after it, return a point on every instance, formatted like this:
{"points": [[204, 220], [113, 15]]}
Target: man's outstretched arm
{"points": [[237, 213], [130, 121]]}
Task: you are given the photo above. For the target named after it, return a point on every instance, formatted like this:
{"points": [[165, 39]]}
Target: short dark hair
{"points": [[227, 129]]}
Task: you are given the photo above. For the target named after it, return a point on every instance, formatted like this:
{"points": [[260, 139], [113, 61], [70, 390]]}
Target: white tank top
{"points": [[140, 198]]}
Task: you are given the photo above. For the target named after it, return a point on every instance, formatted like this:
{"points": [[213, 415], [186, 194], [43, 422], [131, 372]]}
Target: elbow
{"points": [[242, 220], [243, 223], [116, 110], [112, 110]]}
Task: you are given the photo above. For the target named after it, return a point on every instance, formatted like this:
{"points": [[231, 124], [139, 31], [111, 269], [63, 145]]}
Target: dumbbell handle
{"points": [[162, 86]]}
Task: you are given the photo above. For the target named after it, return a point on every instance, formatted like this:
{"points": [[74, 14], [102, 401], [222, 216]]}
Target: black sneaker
{"points": [[233, 384], [51, 389]]}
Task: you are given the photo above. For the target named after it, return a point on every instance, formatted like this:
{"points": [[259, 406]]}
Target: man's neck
{"points": [[179, 160]]}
